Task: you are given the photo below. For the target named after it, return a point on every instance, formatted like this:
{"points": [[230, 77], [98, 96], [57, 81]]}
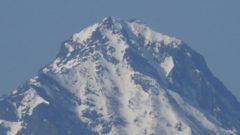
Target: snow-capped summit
{"points": [[112, 36], [133, 29], [122, 78]]}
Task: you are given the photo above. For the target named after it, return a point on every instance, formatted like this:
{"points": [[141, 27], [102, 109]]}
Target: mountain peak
{"points": [[109, 20], [134, 28], [116, 34], [122, 78]]}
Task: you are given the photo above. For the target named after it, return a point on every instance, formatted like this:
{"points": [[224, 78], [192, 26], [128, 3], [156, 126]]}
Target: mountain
{"points": [[122, 78]]}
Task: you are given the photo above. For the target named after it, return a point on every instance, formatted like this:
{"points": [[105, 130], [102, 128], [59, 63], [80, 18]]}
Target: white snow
{"points": [[55, 66], [30, 101], [167, 65], [151, 35], [136, 27], [45, 70], [14, 127], [188, 54], [14, 92], [119, 45], [70, 49], [34, 81], [198, 71], [71, 63], [84, 34]]}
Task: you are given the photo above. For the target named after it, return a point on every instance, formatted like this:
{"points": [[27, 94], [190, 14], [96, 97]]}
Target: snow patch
{"points": [[13, 127], [85, 34], [34, 81], [55, 65], [119, 45], [70, 49], [14, 92], [70, 64], [45, 70], [167, 65], [198, 71], [29, 102], [141, 29]]}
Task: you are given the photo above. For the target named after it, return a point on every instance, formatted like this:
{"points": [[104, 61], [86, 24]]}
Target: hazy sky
{"points": [[31, 32]]}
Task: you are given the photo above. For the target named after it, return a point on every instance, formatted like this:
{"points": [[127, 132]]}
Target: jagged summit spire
{"points": [[110, 26], [117, 34], [111, 21], [108, 20]]}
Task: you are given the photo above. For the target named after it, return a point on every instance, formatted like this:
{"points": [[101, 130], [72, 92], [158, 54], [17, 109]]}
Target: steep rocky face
{"points": [[119, 78]]}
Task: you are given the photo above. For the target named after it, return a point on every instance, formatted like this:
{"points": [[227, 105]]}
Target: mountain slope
{"points": [[119, 78]]}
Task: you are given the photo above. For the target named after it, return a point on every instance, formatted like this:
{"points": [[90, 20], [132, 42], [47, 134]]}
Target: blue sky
{"points": [[31, 32]]}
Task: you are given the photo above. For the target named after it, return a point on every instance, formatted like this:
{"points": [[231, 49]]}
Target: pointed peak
{"points": [[109, 21], [109, 18], [117, 26]]}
